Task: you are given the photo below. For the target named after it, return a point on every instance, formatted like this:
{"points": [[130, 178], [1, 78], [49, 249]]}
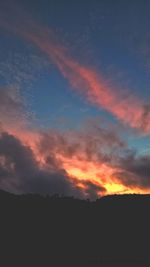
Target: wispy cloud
{"points": [[125, 106], [13, 112]]}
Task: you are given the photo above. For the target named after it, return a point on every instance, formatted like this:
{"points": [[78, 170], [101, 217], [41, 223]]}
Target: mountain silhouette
{"points": [[63, 231]]}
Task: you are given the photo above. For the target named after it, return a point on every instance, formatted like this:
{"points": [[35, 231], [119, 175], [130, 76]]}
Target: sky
{"points": [[74, 97]]}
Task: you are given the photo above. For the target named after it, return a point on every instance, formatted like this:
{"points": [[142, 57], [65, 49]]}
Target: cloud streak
{"points": [[125, 106]]}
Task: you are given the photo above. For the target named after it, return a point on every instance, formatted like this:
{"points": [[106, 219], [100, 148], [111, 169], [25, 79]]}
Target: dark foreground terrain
{"points": [[52, 231]]}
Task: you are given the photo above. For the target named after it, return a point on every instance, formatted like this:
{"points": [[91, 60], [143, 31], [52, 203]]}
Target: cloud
{"points": [[45, 165], [20, 172], [145, 116], [99, 160], [125, 106], [135, 170], [93, 142], [93, 190], [81, 164], [22, 70], [12, 108]]}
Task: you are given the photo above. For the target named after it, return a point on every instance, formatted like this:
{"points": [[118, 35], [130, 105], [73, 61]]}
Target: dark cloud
{"points": [[134, 170], [20, 172], [92, 190]]}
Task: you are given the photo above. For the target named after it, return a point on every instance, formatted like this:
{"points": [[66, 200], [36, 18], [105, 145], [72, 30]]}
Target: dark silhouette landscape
{"points": [[63, 231]]}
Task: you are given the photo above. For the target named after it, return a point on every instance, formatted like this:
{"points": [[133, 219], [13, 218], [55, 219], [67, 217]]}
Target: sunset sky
{"points": [[75, 97]]}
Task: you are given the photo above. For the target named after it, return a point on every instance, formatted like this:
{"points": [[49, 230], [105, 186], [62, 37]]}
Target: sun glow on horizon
{"points": [[101, 176], [82, 171]]}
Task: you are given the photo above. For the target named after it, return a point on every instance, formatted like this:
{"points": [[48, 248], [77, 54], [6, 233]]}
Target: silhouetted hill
{"points": [[53, 231]]}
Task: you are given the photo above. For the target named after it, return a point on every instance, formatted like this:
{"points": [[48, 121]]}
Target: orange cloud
{"points": [[83, 158]]}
